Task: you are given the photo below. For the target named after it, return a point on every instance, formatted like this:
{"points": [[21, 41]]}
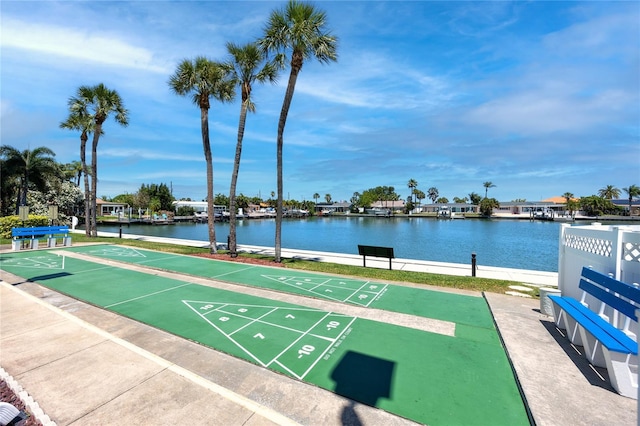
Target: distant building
{"points": [[107, 208], [338, 207], [198, 206]]}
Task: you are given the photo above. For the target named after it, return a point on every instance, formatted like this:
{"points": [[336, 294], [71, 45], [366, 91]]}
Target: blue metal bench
{"points": [[604, 323], [32, 235]]}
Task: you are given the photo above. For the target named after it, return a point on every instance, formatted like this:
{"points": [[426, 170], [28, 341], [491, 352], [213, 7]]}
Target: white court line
{"points": [[228, 394], [148, 295]]}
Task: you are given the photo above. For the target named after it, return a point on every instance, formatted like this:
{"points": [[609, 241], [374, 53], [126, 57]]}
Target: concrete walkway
{"points": [[85, 366]]}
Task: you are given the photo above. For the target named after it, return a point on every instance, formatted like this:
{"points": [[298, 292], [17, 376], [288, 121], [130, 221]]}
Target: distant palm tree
{"points": [[487, 185], [433, 194], [31, 167], [632, 192], [244, 70], [412, 184], [80, 119], [327, 198], [316, 196], [298, 28], [204, 79], [609, 192], [567, 196]]}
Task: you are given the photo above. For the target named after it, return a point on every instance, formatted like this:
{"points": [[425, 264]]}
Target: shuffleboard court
{"points": [[469, 312], [427, 377]]}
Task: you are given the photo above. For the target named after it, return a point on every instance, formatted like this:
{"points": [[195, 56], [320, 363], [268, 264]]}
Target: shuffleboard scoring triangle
{"points": [[288, 339], [47, 262], [116, 251], [357, 292]]}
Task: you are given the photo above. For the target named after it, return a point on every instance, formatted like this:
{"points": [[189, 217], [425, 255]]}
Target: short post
{"points": [[120, 233], [473, 264]]}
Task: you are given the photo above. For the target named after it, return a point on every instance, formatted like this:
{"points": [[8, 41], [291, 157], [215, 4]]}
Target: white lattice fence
{"points": [[611, 250]]}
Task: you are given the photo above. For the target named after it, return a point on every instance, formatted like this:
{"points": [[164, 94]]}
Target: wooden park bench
{"points": [[375, 251], [29, 237], [604, 322]]}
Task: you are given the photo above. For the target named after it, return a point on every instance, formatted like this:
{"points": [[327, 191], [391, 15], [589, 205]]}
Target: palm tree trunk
{"points": [[293, 76], [204, 123], [87, 192], [234, 180], [94, 180]]}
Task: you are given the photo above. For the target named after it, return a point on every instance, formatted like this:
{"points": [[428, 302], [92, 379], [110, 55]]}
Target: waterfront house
{"points": [[329, 208], [107, 208]]}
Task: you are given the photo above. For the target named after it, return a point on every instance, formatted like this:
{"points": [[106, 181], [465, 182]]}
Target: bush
{"points": [[8, 222]]}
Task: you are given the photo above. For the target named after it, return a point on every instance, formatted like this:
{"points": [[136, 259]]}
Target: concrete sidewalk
{"points": [[86, 366]]}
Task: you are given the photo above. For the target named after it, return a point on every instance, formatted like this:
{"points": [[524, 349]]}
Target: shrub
{"points": [[8, 222]]}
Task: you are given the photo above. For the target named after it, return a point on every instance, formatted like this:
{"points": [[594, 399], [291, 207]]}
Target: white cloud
{"points": [[78, 44]]}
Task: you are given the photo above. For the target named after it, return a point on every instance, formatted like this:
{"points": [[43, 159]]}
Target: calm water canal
{"points": [[498, 242]]}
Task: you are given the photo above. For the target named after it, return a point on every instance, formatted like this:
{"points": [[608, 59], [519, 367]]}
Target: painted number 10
{"points": [[306, 350]]}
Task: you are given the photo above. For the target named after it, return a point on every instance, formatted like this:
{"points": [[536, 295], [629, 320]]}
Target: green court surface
{"points": [[465, 310], [427, 377]]}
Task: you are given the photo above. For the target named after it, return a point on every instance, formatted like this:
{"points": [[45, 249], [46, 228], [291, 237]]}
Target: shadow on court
{"points": [[362, 378]]}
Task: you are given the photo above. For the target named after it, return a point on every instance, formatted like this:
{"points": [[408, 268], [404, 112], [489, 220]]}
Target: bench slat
{"points": [[610, 299], [629, 291]]}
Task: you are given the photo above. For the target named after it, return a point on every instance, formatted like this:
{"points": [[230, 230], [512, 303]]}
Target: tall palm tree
{"points": [[632, 192], [298, 29], [487, 185], [203, 79], [31, 167], [412, 184], [80, 120], [316, 196], [609, 192], [99, 102], [244, 70]]}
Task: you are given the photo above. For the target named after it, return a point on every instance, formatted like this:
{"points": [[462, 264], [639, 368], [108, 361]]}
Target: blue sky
{"points": [[540, 98]]}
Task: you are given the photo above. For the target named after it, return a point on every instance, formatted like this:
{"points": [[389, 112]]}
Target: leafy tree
{"points": [[609, 192], [632, 191], [316, 196], [475, 198], [408, 205], [29, 168], [160, 192], [204, 79], [432, 193], [221, 200], [442, 200], [568, 196], [327, 198], [298, 29], [245, 69], [460, 200], [487, 185], [597, 206], [487, 205]]}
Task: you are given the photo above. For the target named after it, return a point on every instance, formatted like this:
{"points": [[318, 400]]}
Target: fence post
{"points": [[473, 264]]}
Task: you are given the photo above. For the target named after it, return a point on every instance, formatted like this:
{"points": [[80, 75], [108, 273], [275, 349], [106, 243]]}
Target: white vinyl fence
{"points": [[610, 249]]}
